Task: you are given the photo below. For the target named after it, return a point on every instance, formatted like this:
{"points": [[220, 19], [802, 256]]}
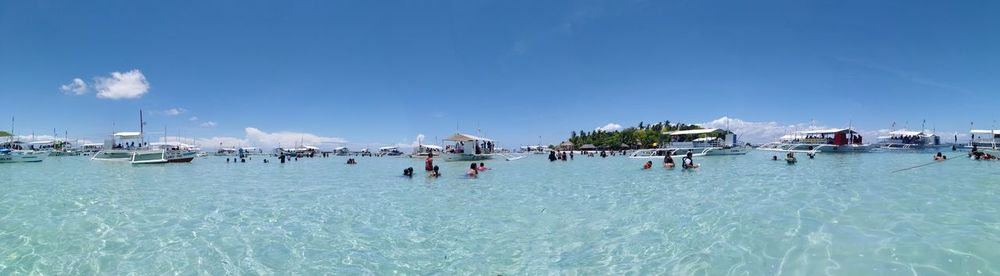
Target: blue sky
{"points": [[382, 72]]}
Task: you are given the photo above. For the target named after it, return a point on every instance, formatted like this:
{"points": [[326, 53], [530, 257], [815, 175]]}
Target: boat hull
{"points": [[149, 157], [455, 157], [22, 157]]}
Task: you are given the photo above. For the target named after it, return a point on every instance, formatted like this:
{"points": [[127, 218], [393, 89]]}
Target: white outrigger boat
{"points": [[13, 151], [468, 148], [21, 156], [130, 149], [389, 151], [822, 140], [422, 151], [983, 139], [909, 140], [700, 142]]}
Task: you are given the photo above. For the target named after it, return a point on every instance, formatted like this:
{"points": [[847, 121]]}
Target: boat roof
{"points": [[340, 148], [248, 148], [311, 147], [706, 139], [128, 135], [178, 144], [430, 146], [825, 131], [909, 133], [462, 137], [984, 131], [41, 142], [695, 131], [387, 148], [92, 144]]}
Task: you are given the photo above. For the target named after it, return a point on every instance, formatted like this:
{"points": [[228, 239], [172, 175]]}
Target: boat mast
{"points": [[142, 138]]}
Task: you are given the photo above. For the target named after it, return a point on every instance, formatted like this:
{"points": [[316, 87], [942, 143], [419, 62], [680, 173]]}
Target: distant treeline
{"points": [[641, 136], [4, 133]]}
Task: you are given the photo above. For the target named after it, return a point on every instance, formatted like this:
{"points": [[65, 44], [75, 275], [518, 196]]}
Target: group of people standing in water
{"points": [[687, 162], [435, 171]]}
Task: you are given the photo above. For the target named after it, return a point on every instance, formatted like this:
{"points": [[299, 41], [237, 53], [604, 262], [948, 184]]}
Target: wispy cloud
{"points": [[904, 75], [127, 85], [209, 124], [287, 138], [193, 118], [174, 111], [77, 87], [756, 132]]}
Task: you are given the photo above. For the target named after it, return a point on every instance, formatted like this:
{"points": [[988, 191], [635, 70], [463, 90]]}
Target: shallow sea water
{"points": [[740, 215]]}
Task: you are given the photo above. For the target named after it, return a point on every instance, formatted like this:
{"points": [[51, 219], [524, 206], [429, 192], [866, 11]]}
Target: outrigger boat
{"points": [[468, 148], [984, 139], [12, 151], [909, 140], [422, 151], [389, 151], [120, 147], [176, 152], [341, 151], [822, 140], [700, 142]]}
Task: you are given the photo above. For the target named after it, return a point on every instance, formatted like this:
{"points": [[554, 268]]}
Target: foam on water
{"points": [[742, 215]]}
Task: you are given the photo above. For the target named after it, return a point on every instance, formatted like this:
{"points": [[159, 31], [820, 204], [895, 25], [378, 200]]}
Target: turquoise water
{"points": [[743, 215]]}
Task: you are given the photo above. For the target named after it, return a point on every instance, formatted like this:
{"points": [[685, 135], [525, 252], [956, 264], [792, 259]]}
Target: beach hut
{"points": [[566, 145], [588, 147], [624, 146]]}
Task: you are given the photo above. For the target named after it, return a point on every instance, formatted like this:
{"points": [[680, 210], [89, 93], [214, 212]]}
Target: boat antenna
{"points": [[923, 125]]}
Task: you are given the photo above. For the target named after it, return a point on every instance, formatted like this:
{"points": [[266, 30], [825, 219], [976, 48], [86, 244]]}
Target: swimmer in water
{"points": [[648, 165], [688, 161], [939, 157], [482, 167], [435, 172], [790, 158], [668, 161], [473, 172]]}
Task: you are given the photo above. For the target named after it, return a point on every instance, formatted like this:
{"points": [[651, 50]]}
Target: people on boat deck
{"points": [[790, 158], [940, 157], [482, 167], [435, 172], [688, 161], [668, 161], [473, 172], [647, 165], [429, 162]]}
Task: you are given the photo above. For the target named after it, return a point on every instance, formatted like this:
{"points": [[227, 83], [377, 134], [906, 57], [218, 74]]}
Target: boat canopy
{"points": [[340, 148], [92, 144], [827, 131], [172, 144], [908, 133], [704, 139], [387, 148], [462, 137], [431, 147], [984, 131], [41, 142], [696, 131], [128, 135], [310, 147]]}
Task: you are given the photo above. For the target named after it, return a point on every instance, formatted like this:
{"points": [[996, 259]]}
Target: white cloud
{"points": [[174, 111], [193, 118], [77, 87], [287, 139], [609, 127], [209, 124], [128, 85], [755, 132], [213, 142]]}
